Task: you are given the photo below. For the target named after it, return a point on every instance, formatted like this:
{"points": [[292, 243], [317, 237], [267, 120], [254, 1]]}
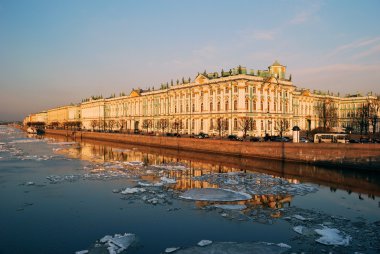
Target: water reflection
{"points": [[199, 164]]}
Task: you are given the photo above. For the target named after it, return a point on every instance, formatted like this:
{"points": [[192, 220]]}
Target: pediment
{"points": [[134, 93], [200, 79]]}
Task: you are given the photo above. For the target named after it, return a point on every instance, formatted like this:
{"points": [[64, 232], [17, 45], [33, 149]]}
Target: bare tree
{"points": [[374, 109], [94, 124], [246, 125], [327, 113], [147, 124], [282, 125], [111, 124], [221, 126], [177, 125], [362, 118], [163, 124]]}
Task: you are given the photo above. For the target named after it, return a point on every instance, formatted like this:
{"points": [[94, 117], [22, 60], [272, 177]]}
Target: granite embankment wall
{"points": [[358, 156]]}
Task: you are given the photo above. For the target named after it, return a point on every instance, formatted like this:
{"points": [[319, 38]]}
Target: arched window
{"points": [[218, 106], [193, 107], [262, 125], [211, 106], [235, 124], [261, 105], [187, 123], [226, 106], [254, 105], [192, 124], [246, 104], [201, 124], [235, 104], [226, 125], [201, 107], [187, 107]]}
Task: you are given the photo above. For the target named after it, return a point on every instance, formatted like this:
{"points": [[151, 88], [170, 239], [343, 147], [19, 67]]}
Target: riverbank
{"points": [[353, 156]]}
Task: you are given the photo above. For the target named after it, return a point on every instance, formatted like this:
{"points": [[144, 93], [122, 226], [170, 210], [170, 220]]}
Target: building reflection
{"points": [[199, 164]]}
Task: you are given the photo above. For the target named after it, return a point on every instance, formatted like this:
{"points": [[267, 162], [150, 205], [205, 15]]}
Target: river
{"points": [[62, 196]]}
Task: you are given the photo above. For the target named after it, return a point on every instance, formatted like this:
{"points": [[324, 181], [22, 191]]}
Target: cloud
{"points": [[336, 68], [355, 45], [340, 68], [370, 52]]}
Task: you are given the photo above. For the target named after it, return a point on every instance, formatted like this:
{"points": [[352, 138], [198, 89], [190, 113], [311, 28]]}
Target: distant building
{"points": [[256, 102]]}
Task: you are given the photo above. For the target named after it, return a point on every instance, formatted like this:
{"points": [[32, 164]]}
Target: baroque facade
{"points": [[255, 102]]}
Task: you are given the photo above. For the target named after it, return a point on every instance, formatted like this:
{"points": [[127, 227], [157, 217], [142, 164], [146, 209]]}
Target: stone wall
{"points": [[358, 156]]}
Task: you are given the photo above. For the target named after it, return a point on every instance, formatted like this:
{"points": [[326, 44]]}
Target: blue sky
{"points": [[53, 53]]}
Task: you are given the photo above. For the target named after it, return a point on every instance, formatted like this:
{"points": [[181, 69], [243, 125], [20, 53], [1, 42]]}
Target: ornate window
{"points": [[201, 107], [218, 106], [235, 124], [226, 105], [201, 124], [235, 104], [211, 106], [246, 104]]}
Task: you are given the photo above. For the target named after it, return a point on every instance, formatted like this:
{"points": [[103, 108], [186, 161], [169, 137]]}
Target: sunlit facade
{"points": [[241, 100]]}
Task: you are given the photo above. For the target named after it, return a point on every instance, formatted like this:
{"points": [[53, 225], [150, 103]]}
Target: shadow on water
{"points": [[365, 182]]}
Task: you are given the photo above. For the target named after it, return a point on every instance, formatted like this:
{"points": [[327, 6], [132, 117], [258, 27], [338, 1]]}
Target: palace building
{"points": [[255, 102]]}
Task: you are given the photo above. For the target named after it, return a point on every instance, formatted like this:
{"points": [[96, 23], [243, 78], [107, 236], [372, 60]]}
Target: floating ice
{"points": [[299, 229], [171, 249], [210, 194], [168, 180], [144, 184], [237, 248], [256, 183], [132, 190], [134, 163], [299, 217], [332, 236], [203, 243], [118, 243], [284, 245], [29, 183], [231, 207], [63, 143], [21, 141], [81, 252]]}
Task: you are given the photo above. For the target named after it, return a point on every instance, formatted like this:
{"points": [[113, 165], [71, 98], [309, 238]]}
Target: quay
{"points": [[363, 157]]}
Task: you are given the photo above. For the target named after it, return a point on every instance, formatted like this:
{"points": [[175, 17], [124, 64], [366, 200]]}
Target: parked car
{"points": [[280, 139], [353, 141], [234, 138], [255, 139], [304, 140], [202, 135]]}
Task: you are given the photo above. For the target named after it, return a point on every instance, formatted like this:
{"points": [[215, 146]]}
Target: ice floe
{"points": [[171, 249], [118, 243], [256, 183], [167, 180], [236, 248], [132, 190], [81, 252], [332, 236], [299, 229], [214, 194], [203, 243]]}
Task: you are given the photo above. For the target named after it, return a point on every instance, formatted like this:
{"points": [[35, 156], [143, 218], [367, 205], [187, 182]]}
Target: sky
{"points": [[53, 53]]}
